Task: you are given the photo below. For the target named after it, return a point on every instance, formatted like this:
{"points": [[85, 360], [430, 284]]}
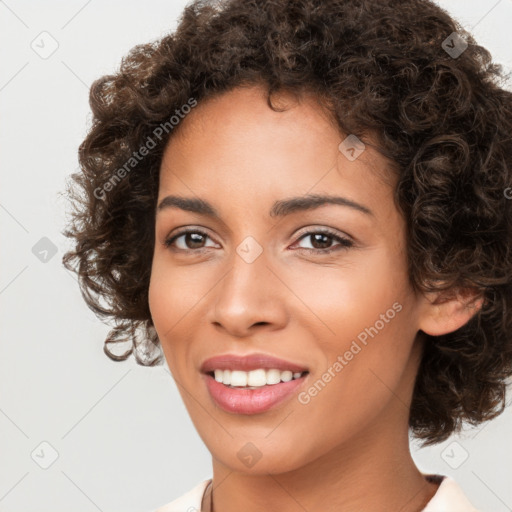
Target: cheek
{"points": [[175, 295], [173, 292], [159, 301], [364, 315], [352, 295], [165, 307]]}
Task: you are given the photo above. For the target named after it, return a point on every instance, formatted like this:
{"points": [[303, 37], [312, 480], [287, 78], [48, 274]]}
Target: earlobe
{"points": [[445, 312]]}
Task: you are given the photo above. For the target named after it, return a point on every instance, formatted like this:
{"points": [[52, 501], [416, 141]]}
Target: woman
{"points": [[304, 204]]}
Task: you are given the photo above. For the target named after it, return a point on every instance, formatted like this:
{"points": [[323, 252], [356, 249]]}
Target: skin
{"points": [[348, 448]]}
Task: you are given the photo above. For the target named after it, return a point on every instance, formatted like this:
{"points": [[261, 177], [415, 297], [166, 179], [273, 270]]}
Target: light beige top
{"points": [[448, 498]]}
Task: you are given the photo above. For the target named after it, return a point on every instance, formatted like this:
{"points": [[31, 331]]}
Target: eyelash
{"points": [[345, 243]]}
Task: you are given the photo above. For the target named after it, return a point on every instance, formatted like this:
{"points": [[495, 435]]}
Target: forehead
{"points": [[235, 148]]}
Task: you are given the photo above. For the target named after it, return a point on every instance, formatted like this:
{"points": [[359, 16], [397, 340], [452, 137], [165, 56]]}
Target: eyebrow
{"points": [[280, 208]]}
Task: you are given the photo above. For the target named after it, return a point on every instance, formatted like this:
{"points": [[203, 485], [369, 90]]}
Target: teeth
{"points": [[273, 376], [238, 378], [286, 376], [254, 378], [223, 376]]}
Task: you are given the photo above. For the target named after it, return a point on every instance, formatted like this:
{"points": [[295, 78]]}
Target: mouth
{"points": [[251, 384]]}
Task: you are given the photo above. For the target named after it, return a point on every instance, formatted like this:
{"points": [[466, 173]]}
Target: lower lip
{"points": [[251, 401]]}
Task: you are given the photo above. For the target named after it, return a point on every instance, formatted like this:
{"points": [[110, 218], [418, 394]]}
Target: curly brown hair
{"points": [[377, 66]]}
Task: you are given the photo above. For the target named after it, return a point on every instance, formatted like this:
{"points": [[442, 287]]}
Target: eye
{"points": [[192, 240], [321, 241]]}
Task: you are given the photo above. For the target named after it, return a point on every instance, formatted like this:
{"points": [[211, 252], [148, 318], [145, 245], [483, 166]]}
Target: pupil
{"points": [[194, 238], [321, 238]]}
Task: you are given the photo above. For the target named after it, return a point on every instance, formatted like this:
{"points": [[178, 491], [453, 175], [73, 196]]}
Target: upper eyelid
{"points": [[183, 230]]}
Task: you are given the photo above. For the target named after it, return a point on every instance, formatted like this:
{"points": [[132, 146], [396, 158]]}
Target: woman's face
{"points": [[263, 277]]}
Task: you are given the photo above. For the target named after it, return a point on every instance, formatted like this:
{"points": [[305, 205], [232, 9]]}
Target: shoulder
{"points": [[188, 502], [449, 497]]}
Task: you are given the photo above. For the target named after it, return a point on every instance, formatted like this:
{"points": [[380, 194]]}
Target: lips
{"points": [[240, 400]]}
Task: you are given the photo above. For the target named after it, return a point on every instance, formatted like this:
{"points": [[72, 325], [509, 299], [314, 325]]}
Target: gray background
{"points": [[122, 437]]}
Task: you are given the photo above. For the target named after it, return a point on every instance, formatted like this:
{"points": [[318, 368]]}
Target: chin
{"points": [[258, 456]]}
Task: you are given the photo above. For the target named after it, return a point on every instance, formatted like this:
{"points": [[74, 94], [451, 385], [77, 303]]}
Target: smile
{"points": [[251, 384]]}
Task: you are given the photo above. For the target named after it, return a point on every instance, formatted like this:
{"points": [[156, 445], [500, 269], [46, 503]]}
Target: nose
{"points": [[249, 298]]}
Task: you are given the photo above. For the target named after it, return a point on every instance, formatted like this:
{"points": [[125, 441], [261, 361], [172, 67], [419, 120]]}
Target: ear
{"points": [[446, 311]]}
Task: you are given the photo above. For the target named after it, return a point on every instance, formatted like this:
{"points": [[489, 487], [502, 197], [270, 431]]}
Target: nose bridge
{"points": [[248, 278]]}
